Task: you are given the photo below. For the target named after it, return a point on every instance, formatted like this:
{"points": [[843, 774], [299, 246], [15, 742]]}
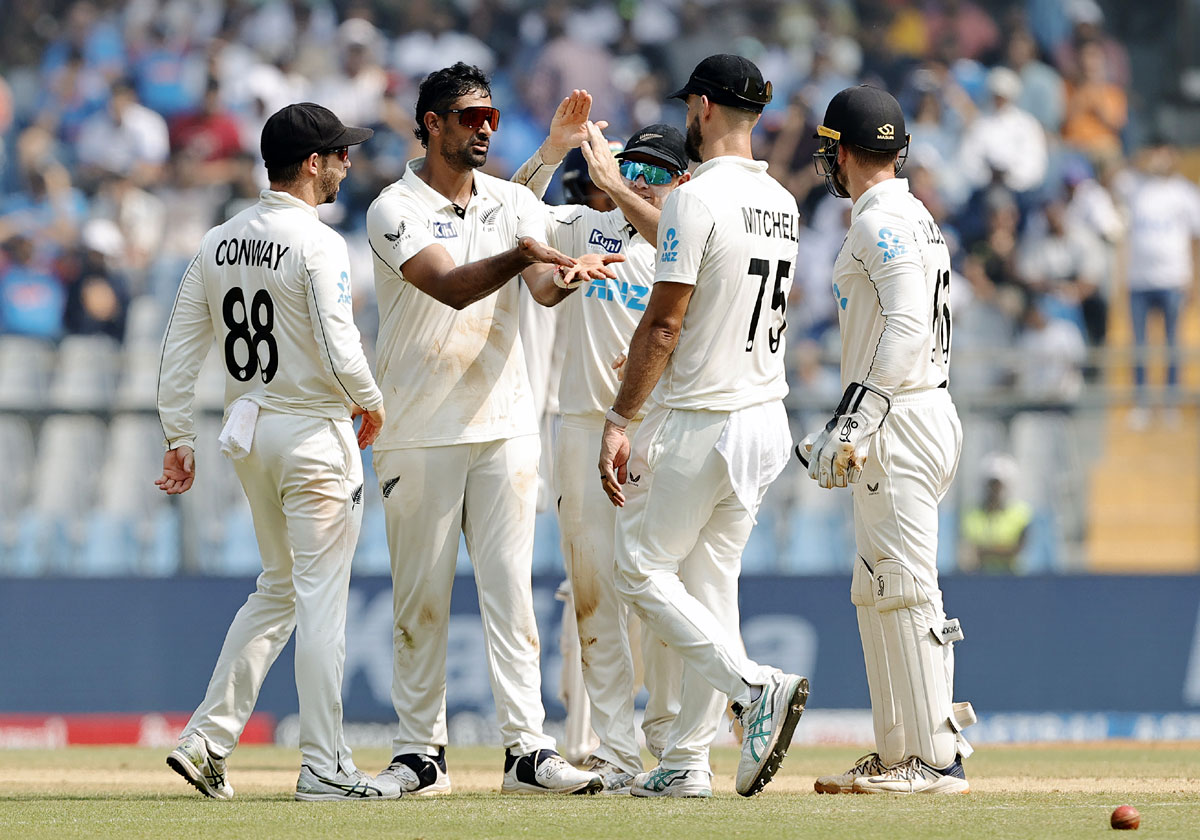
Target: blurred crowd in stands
{"points": [[129, 128]]}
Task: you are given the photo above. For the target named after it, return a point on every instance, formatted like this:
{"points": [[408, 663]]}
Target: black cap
{"points": [[866, 117], [296, 131], [660, 141], [728, 80]]}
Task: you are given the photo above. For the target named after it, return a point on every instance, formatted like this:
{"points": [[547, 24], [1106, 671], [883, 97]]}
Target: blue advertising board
{"points": [[1065, 646]]}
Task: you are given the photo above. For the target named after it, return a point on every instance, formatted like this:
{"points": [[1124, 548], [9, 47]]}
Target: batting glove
{"points": [[836, 455]]}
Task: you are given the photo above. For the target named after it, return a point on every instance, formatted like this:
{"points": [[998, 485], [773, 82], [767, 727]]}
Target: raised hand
{"points": [[603, 168], [568, 127]]}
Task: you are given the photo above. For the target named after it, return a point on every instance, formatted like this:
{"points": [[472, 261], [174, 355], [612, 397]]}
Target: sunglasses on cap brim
{"points": [[475, 116], [748, 90], [656, 176]]}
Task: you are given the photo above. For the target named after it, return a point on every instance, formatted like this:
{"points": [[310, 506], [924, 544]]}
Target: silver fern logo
{"points": [[488, 219]]}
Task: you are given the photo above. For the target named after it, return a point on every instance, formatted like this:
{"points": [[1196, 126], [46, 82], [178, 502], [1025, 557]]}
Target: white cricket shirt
{"points": [[730, 231], [272, 284], [891, 283], [1164, 216], [450, 376], [599, 319]]}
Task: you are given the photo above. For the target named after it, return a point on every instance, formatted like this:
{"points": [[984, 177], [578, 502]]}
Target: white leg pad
{"points": [[912, 685]]}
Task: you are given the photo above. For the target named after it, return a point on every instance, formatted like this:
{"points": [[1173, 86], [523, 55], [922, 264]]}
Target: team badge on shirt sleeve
{"points": [[891, 244], [670, 247], [344, 295]]}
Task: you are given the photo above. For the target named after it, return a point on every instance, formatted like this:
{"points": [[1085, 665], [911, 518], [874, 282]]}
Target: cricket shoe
{"points": [[616, 780], [420, 775], [545, 771], [681, 784], [868, 765], [767, 727], [203, 770], [345, 787], [915, 776]]}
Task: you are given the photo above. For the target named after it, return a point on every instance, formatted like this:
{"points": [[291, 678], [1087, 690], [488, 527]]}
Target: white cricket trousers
{"points": [[303, 478], [487, 492], [587, 521], [908, 653], [680, 538]]}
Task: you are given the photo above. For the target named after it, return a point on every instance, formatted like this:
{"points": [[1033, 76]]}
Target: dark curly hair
{"points": [[441, 87]]}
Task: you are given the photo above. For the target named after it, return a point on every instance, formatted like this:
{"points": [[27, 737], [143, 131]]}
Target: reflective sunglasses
{"points": [[343, 153], [655, 175], [475, 116]]}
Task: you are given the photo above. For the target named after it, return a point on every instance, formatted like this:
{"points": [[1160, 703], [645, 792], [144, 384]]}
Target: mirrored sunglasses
{"points": [[655, 175], [343, 153], [475, 116]]}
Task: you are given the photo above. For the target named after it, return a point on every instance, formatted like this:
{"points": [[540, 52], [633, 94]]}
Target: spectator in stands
{"points": [[126, 138], [141, 217], [209, 135], [31, 297], [1005, 139], [71, 95], [49, 211], [1042, 91], [1096, 110], [97, 294], [1163, 209], [994, 532], [357, 88], [167, 73], [1065, 265]]}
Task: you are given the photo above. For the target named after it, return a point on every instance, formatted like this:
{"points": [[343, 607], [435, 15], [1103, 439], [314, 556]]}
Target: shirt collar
{"points": [[888, 187], [278, 198], [731, 160], [427, 193]]}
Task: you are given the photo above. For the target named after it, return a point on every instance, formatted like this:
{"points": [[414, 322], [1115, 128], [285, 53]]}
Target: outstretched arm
{"points": [[568, 128], [606, 174]]}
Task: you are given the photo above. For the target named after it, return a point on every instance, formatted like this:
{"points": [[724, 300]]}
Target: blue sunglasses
{"points": [[655, 175]]}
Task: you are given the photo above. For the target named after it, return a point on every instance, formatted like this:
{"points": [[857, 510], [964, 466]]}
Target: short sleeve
{"points": [[531, 214], [683, 230], [397, 230]]}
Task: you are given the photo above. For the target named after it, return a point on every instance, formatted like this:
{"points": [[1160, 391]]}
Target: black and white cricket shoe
{"points": [[344, 787], [204, 771], [420, 775], [915, 776], [545, 771]]}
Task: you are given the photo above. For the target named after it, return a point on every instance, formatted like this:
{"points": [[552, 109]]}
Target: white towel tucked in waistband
{"points": [[237, 435], [755, 443]]}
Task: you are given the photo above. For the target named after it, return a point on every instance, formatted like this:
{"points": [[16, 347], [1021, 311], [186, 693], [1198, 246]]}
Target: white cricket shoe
{"points": [[203, 770], [915, 776], [420, 775], [767, 726], [344, 787], [545, 771], [616, 780], [682, 784], [868, 765]]}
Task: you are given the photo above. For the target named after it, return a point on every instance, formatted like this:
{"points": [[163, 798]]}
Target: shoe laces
{"points": [[869, 765], [913, 768]]}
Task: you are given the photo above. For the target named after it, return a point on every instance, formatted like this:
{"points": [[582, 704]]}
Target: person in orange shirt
{"points": [[1097, 109]]}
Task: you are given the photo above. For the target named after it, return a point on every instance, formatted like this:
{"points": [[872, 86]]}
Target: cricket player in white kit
{"points": [[895, 438], [597, 324], [716, 434], [459, 451], [272, 285]]}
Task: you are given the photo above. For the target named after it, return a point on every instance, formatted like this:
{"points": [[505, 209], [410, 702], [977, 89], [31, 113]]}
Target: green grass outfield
{"points": [[1060, 792]]}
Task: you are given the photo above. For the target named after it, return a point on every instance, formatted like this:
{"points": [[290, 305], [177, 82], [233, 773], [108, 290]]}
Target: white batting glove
{"points": [[837, 454]]}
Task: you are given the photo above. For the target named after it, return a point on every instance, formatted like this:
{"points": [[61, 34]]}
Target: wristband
{"points": [[616, 419]]}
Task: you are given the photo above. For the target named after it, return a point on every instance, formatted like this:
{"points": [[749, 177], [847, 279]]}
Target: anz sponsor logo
{"points": [[631, 295], [344, 289], [445, 230], [841, 299], [891, 244], [670, 247], [610, 244]]}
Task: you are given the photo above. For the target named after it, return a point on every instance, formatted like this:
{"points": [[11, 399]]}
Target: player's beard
{"points": [[328, 183], [464, 157], [691, 143]]}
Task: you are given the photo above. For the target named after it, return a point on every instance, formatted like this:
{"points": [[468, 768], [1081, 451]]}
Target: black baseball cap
{"points": [[728, 80], [866, 117], [660, 141], [296, 131]]}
